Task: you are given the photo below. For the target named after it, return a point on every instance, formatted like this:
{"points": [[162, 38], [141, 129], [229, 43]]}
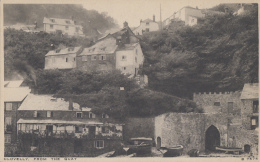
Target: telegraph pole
{"points": [[160, 17]]}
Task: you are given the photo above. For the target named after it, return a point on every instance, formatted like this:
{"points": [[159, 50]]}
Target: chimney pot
{"points": [[125, 24], [70, 104]]}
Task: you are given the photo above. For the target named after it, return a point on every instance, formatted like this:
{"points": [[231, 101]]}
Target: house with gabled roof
{"points": [[62, 58], [120, 50], [63, 26], [14, 95], [147, 25], [54, 126]]}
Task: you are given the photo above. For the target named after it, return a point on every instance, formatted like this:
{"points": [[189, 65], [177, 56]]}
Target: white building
{"points": [[65, 26], [147, 25], [62, 58]]}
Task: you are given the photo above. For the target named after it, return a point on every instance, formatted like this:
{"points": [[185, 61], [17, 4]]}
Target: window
{"points": [[8, 121], [216, 103], [67, 21], [136, 59], [78, 129], [254, 122], [36, 114], [123, 57], [8, 106], [84, 58], [105, 130], [7, 138], [99, 144], [74, 59], [230, 107], [93, 57], [79, 114], [124, 68], [51, 26], [147, 23], [77, 29], [52, 20], [105, 116], [92, 115], [49, 114], [67, 59], [103, 57], [67, 27], [147, 29], [255, 106], [136, 51]]}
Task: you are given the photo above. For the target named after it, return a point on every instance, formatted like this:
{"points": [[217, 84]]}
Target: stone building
{"points": [[55, 127], [62, 58], [14, 96], [147, 25], [63, 26], [120, 50], [230, 120]]}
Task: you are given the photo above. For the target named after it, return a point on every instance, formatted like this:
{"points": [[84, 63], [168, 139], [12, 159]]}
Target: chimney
{"points": [[70, 104], [125, 24], [153, 18]]}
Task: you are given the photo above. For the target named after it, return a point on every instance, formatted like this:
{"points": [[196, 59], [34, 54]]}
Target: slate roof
{"points": [[59, 21], [149, 20], [16, 94], [51, 121], [69, 50], [14, 83], [250, 91], [105, 46], [46, 102], [128, 47]]}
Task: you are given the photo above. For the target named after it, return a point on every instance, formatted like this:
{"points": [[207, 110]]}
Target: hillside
{"points": [[219, 54], [29, 13]]}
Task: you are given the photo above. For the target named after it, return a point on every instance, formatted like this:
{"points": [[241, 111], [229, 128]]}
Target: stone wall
{"points": [[189, 130], [138, 127], [207, 100], [181, 129]]}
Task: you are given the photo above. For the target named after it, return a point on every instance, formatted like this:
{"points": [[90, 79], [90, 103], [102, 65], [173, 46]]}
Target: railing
{"points": [[73, 134]]}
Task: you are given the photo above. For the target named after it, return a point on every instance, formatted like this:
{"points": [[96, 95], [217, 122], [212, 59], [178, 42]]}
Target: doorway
{"points": [[212, 138], [49, 130], [159, 143]]}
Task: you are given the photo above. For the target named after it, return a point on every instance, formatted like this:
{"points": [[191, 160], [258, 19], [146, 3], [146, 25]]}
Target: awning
{"points": [[50, 121]]}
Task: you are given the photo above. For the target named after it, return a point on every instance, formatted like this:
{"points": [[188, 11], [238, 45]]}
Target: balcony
{"points": [[69, 134]]}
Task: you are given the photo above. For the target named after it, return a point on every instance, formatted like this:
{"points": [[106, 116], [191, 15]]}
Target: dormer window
{"points": [[92, 115], [105, 116], [49, 114], [79, 114]]}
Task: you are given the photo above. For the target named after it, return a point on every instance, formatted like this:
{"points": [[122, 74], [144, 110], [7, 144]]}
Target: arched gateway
{"points": [[212, 138]]}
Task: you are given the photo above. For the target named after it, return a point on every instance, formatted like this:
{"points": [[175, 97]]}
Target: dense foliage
{"points": [[218, 54], [25, 52], [29, 13], [101, 91]]}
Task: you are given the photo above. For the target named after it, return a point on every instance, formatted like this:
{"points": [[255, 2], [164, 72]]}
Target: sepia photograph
{"points": [[165, 79]]}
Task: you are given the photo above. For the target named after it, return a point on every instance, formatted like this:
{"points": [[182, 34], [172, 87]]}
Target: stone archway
{"points": [[212, 138], [158, 143]]}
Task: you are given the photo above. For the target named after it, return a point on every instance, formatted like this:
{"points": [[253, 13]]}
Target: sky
{"points": [[133, 11]]}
